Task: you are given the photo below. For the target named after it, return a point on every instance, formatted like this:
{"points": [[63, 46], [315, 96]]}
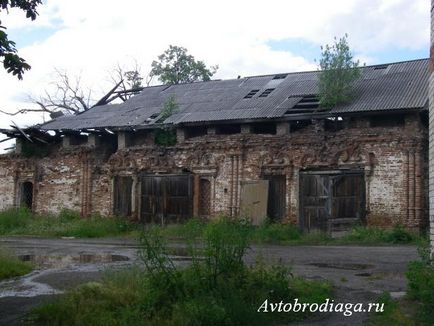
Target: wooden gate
{"points": [[331, 201], [276, 196], [122, 194], [166, 198]]}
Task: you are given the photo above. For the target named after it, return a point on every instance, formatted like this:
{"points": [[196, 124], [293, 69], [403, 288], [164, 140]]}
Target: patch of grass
{"points": [[290, 234], [420, 276], [11, 266], [67, 224], [368, 235], [392, 315], [13, 219], [217, 289], [276, 233]]}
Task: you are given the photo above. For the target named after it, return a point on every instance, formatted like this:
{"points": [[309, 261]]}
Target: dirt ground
{"points": [[359, 274]]}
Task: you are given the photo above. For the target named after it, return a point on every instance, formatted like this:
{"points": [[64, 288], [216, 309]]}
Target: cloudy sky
{"points": [[89, 38]]}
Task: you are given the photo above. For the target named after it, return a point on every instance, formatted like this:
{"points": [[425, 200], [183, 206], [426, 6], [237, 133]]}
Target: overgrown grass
{"points": [[70, 224], [217, 288], [420, 276], [417, 308], [66, 224], [274, 233], [393, 313], [11, 266]]}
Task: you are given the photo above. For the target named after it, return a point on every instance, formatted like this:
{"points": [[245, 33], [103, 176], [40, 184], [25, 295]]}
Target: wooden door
{"points": [[166, 198], [315, 203], [332, 201], [276, 206], [122, 195]]}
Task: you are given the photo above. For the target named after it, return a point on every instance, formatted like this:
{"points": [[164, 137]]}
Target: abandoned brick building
{"points": [[255, 146]]}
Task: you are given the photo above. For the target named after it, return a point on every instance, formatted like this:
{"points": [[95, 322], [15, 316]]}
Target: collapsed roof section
{"points": [[292, 96]]}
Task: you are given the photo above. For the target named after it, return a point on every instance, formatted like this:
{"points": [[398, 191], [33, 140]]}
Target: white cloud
{"points": [[95, 35]]}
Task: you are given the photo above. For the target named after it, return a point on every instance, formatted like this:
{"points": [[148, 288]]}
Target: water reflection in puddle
{"points": [[47, 266], [56, 261]]}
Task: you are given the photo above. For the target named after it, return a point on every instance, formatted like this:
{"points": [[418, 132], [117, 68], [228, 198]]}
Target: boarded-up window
{"points": [[332, 201], [166, 198], [122, 196]]}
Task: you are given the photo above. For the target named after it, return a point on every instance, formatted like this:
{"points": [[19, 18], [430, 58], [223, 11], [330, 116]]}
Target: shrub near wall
{"points": [[217, 288]]}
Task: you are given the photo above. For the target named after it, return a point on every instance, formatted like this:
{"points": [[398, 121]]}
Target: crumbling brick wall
{"points": [[392, 159]]}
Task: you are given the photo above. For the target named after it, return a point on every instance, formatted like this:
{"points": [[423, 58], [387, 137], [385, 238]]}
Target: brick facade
{"points": [[392, 159], [431, 131]]}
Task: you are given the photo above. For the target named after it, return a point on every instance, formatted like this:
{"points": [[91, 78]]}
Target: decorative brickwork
{"points": [[392, 159]]}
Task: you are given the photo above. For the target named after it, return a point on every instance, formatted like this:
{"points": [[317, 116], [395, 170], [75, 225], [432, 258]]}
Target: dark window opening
{"points": [[26, 199], [334, 124], [122, 196], [264, 128], [387, 121], [381, 67], [251, 93], [299, 124], [228, 129], [280, 76], [198, 131], [307, 103], [266, 92], [138, 138], [76, 140]]}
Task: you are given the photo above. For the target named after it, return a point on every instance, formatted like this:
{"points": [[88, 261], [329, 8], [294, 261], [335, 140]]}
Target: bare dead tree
{"points": [[130, 79], [67, 96]]}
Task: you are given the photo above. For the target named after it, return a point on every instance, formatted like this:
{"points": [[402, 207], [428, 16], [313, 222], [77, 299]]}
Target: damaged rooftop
{"points": [[385, 88]]}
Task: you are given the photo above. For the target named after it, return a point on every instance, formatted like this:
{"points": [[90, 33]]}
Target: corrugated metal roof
{"points": [[394, 86]]}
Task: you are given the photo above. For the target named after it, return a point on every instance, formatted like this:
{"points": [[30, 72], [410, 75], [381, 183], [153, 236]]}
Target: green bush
{"points": [[276, 233], [375, 235], [217, 288], [11, 266], [420, 276], [392, 314], [13, 219], [399, 235]]}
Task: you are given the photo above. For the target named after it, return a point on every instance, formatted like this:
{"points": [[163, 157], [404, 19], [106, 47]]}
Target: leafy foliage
{"points": [[420, 276], [176, 66], [12, 62], [216, 289], [339, 71], [166, 135]]}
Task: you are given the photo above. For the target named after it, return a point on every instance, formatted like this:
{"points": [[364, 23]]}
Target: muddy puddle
{"points": [[345, 266], [49, 269], [61, 261]]}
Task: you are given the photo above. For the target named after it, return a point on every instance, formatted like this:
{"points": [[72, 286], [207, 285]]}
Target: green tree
{"points": [[12, 62], [339, 71], [176, 66]]}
